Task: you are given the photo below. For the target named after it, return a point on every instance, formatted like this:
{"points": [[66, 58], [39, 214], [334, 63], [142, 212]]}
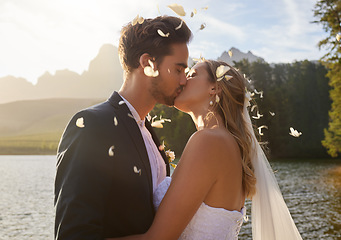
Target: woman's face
{"points": [[198, 91]]}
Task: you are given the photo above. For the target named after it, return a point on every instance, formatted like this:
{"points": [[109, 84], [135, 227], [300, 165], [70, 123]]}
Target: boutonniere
{"points": [[169, 154]]}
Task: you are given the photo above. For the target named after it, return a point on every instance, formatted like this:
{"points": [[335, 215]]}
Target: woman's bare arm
{"points": [[196, 173]]}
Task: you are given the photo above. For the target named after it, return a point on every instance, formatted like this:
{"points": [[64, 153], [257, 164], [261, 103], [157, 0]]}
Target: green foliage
{"points": [[329, 14], [176, 133], [298, 95]]}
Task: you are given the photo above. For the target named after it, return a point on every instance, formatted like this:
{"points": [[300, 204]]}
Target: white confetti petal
{"points": [[228, 77], [149, 118], [131, 116], [217, 99], [253, 108], [121, 102], [204, 8], [111, 151], [135, 20], [230, 53], [272, 113], [178, 9], [221, 70], [260, 129], [258, 116], [259, 93], [178, 27], [115, 121], [140, 20], [202, 26], [162, 34], [149, 72], [294, 132], [80, 122], [136, 170], [157, 123], [338, 37]]}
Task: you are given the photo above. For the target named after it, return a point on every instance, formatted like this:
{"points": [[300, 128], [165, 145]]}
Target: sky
{"points": [[47, 35]]}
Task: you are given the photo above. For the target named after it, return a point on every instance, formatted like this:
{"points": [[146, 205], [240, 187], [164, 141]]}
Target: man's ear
{"points": [[144, 60]]}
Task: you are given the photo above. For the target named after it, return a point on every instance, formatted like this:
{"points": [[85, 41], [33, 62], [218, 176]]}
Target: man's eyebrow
{"points": [[184, 65]]}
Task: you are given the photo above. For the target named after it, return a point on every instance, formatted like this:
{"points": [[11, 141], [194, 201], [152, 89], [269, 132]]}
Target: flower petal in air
{"points": [[217, 99], [136, 170], [157, 123], [272, 113], [258, 116], [162, 34], [148, 71], [230, 53], [260, 129], [204, 8], [178, 9], [259, 93], [338, 37], [202, 26], [121, 102], [221, 70], [115, 121], [294, 132], [111, 151], [228, 77], [80, 122], [180, 25], [140, 20], [137, 19]]}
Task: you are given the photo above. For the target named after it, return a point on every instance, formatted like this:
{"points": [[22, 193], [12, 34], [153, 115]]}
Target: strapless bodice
{"points": [[208, 223]]}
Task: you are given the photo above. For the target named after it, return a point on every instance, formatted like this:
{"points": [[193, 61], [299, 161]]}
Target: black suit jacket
{"points": [[98, 195]]}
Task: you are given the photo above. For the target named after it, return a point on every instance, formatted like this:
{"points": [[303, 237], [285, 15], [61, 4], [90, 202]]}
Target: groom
{"points": [[109, 160]]}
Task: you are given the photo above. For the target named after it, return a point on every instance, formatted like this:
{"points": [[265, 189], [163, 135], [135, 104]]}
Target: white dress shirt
{"points": [[157, 164]]}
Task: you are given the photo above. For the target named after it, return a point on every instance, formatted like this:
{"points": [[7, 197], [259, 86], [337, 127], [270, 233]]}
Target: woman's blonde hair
{"points": [[230, 107]]}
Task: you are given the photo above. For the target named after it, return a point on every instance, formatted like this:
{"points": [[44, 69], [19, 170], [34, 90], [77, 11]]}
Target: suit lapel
{"points": [[130, 124]]}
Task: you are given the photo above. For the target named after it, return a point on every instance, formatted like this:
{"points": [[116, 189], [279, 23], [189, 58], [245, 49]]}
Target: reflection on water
{"points": [[26, 200], [311, 189]]}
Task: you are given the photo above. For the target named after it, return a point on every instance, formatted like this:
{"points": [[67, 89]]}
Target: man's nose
{"points": [[183, 80]]}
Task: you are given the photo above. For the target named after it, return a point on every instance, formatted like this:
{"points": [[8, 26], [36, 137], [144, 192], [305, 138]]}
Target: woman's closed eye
{"points": [[191, 73]]}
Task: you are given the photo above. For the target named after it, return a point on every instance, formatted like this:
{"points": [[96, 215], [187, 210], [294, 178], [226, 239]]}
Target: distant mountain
{"points": [[39, 116], [238, 55], [103, 76]]}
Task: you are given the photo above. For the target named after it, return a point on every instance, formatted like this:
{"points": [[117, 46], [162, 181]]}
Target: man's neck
{"points": [[136, 93]]}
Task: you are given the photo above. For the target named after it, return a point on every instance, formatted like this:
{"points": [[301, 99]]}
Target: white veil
{"points": [[271, 219]]}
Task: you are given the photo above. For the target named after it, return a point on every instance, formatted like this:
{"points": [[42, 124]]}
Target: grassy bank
{"points": [[35, 144]]}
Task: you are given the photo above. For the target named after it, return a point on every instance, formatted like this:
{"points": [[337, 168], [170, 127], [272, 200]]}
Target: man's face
{"points": [[168, 85]]}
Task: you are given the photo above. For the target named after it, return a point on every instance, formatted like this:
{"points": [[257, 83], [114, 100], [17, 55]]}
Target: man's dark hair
{"points": [[144, 38]]}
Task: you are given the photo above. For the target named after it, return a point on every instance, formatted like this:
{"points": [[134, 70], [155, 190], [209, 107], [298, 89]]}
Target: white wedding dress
{"points": [[208, 223]]}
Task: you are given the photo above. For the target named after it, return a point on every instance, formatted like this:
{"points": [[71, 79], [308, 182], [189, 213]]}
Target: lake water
{"points": [[312, 190]]}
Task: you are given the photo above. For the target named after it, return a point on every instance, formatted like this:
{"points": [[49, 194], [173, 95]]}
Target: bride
{"points": [[222, 165]]}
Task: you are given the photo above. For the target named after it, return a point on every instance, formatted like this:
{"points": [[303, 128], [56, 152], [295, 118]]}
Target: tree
{"points": [[329, 14]]}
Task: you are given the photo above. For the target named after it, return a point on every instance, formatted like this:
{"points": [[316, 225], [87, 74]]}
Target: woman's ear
{"points": [[214, 89]]}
